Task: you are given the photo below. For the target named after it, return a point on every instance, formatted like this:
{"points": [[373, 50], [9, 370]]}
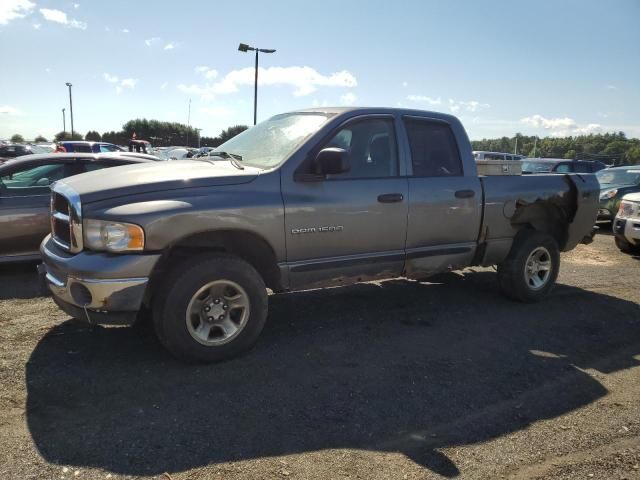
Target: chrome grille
{"points": [[66, 218]]}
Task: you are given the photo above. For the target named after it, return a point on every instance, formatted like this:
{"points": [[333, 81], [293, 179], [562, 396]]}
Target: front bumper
{"points": [[96, 283], [627, 229]]}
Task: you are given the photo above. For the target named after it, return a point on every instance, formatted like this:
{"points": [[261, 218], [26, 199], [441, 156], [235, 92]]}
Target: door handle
{"points": [[465, 194], [390, 198]]}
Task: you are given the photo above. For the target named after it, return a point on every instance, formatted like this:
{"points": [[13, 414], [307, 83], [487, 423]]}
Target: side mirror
{"points": [[43, 182], [331, 161]]}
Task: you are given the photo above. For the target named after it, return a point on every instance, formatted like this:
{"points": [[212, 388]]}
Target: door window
{"points": [[34, 178], [434, 151], [107, 148], [370, 146], [563, 168]]}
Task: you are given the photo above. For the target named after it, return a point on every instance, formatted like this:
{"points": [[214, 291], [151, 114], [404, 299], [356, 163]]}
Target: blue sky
{"points": [[546, 67]]}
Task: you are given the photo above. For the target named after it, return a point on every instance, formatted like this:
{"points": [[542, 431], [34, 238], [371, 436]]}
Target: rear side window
{"points": [[80, 148], [434, 151], [583, 167]]}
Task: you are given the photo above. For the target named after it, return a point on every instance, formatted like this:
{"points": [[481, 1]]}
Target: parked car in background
{"points": [[615, 183], [25, 196], [311, 198], [482, 155], [626, 225], [560, 165], [14, 150], [90, 147]]}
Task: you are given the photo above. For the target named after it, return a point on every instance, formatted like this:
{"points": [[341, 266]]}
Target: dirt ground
{"points": [[396, 380]]}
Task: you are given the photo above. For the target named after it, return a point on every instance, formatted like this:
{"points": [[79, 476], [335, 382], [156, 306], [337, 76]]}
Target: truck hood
{"points": [[153, 177]]}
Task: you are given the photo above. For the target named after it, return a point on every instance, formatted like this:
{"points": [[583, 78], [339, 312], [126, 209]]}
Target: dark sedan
{"points": [[24, 196], [560, 165]]}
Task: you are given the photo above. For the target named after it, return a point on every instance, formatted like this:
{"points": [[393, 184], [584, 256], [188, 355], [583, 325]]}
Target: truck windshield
{"points": [[269, 142]]}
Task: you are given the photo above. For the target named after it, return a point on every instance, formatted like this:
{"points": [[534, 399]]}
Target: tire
{"points": [[241, 303], [626, 247], [522, 276]]}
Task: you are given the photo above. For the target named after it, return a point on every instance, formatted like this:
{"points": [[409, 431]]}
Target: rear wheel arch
{"points": [[546, 217]]}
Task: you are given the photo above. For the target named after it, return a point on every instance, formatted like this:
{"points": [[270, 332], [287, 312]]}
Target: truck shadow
{"points": [[400, 366]]}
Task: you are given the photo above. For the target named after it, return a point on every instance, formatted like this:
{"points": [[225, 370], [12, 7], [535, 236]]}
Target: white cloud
{"points": [[110, 78], [125, 30], [7, 110], [129, 83], [405, 84], [107, 28], [209, 73], [76, 5], [318, 103], [58, 16], [12, 9], [424, 99], [611, 87], [304, 80], [348, 98], [471, 106], [169, 46], [164, 85], [561, 127], [36, 26], [152, 41]]}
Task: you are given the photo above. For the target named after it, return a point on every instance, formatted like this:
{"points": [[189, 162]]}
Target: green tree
{"points": [[40, 138], [231, 132], [632, 156], [17, 138], [66, 136], [571, 154], [92, 136]]}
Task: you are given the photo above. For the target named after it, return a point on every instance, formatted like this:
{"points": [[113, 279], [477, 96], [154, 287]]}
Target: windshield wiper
{"points": [[232, 157], [216, 153]]}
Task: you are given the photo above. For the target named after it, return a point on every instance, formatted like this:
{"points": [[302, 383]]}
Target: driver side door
{"points": [[350, 226]]}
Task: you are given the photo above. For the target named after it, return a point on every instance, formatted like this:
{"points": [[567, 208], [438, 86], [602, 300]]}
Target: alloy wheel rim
{"points": [[537, 269], [217, 313]]}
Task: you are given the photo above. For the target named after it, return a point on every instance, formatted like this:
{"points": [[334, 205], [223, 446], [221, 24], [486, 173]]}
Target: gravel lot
{"points": [[392, 380]]}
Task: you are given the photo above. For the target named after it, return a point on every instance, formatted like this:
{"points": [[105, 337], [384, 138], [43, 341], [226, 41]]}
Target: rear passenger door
{"points": [[445, 202]]}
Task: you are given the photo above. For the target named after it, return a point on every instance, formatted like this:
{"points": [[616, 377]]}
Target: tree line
{"points": [[612, 148], [160, 134]]}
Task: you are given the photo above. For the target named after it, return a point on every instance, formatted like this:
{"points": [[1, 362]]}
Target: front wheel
{"points": [[530, 270], [626, 247], [210, 308]]}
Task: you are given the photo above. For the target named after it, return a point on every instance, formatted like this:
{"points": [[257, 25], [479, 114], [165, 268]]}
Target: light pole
{"points": [[243, 47], [198, 131], [70, 107], [64, 124]]}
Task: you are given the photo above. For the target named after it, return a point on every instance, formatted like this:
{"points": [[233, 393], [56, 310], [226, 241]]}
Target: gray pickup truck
{"points": [[306, 199]]}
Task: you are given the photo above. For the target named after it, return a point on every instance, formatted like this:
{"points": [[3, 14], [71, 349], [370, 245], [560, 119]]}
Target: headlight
{"points": [[628, 209], [112, 236], [606, 195]]}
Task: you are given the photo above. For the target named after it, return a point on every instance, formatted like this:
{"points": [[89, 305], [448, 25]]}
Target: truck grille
{"points": [[66, 219]]}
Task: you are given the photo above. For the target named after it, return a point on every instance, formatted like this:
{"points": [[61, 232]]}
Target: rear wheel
{"points": [[210, 308], [531, 268]]}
